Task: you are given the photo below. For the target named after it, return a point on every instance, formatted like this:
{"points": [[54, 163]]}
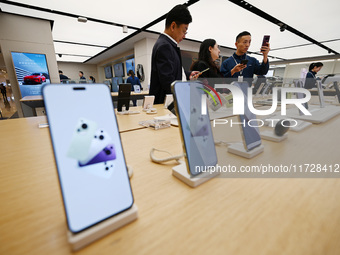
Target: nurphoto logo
{"points": [[239, 98]]}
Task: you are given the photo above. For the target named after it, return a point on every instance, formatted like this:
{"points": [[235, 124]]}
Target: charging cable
{"points": [[163, 160]]}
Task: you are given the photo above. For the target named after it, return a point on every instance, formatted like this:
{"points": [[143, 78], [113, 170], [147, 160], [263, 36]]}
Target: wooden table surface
{"points": [[222, 216], [129, 122]]}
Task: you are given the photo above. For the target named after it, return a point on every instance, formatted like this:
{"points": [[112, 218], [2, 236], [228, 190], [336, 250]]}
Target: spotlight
{"points": [[60, 55], [82, 19], [282, 27], [125, 29]]}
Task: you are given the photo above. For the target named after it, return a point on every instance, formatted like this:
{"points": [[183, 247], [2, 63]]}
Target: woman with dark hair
{"points": [[209, 52], [310, 77], [92, 79], [133, 80]]}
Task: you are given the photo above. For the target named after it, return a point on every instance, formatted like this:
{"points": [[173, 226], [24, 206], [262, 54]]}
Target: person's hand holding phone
{"points": [[194, 75], [265, 49], [239, 67]]}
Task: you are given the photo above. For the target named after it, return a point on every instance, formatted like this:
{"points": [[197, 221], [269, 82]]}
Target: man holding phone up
{"points": [[242, 67]]}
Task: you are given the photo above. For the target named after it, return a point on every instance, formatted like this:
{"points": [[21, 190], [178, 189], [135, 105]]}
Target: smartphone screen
{"points": [[244, 61], [196, 132], [249, 130], [265, 40], [88, 152]]}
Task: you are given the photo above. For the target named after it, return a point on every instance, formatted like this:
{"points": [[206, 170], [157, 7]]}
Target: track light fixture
{"points": [[82, 19], [282, 27]]}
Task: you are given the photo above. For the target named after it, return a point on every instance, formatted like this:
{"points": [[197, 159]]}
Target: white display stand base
{"points": [[80, 240], [300, 124], [269, 135], [319, 115], [238, 149], [182, 174]]}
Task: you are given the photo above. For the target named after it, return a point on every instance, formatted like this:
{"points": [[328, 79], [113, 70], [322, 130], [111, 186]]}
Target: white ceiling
{"points": [[218, 19]]}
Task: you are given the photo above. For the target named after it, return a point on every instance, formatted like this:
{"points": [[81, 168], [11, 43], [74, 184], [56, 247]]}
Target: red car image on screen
{"points": [[34, 78]]}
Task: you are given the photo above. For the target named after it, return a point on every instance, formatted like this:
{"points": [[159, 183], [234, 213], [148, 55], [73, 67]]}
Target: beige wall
{"points": [[71, 70], [16, 34], [142, 52]]}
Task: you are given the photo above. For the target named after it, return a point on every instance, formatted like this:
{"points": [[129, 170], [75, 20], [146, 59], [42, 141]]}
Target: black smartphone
{"points": [[194, 123], [124, 92], [244, 61], [90, 160], [265, 40]]}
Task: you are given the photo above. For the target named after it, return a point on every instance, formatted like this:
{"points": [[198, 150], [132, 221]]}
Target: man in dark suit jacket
{"points": [[166, 62]]}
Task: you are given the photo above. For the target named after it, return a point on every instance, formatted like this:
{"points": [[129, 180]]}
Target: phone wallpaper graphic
{"points": [[92, 145]]}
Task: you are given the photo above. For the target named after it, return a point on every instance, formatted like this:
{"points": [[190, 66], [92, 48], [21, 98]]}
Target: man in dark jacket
{"points": [[63, 78], [235, 69], [166, 62]]}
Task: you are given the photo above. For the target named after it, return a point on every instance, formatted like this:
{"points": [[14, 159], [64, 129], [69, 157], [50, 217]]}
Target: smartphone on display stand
{"points": [[148, 102], [337, 91], [90, 161], [299, 84], [250, 132], [265, 40], [320, 92], [124, 92], [195, 127]]}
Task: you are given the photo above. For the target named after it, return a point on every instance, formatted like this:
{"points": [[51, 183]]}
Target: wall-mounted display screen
{"points": [[31, 71], [108, 72], [130, 65], [115, 83], [119, 70]]}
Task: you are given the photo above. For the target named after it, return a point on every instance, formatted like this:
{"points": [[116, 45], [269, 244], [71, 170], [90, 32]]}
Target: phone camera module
{"points": [[107, 151], [84, 126]]}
